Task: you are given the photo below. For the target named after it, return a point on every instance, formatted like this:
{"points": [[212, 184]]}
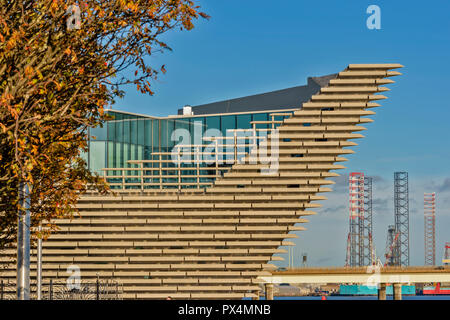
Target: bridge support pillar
{"points": [[269, 291], [257, 295], [382, 291], [397, 291]]}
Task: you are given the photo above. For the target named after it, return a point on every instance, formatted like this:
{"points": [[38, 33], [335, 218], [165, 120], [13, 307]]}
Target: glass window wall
{"points": [[130, 137]]}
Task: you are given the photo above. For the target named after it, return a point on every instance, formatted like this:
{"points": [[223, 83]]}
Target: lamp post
{"points": [[23, 245], [39, 266]]}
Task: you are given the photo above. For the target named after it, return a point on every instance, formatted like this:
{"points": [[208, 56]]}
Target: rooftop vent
{"points": [[187, 111]]}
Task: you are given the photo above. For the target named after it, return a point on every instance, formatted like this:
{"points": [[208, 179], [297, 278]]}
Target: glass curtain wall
{"points": [[132, 137]]}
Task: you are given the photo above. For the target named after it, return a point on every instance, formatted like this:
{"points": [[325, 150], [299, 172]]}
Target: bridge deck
{"points": [[365, 275], [359, 270]]}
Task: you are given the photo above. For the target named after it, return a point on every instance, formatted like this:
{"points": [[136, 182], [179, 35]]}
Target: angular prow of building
{"points": [[204, 219]]}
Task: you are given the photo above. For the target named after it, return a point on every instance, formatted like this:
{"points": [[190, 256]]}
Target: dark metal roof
{"points": [[280, 99]]}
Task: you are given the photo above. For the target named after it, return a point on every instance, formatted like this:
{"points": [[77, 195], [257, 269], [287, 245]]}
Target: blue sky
{"points": [[250, 47]]}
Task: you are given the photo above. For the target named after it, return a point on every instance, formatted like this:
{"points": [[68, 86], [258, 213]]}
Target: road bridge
{"points": [[371, 276]]}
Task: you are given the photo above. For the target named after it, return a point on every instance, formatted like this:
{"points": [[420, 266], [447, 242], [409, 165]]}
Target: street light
{"points": [[39, 265], [23, 245]]}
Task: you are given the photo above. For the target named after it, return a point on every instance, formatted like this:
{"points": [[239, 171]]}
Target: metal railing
{"points": [[59, 290]]}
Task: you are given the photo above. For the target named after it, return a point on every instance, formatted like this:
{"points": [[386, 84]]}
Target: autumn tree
{"points": [[61, 64]]}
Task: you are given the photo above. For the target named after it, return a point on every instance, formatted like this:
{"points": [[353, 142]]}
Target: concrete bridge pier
{"points": [[382, 291], [397, 291], [269, 291], [256, 295]]}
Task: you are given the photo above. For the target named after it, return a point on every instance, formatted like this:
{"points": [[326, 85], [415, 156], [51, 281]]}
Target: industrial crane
{"points": [[389, 254]]}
